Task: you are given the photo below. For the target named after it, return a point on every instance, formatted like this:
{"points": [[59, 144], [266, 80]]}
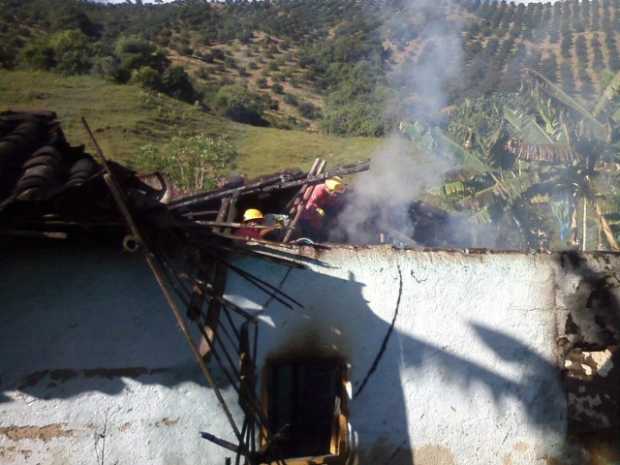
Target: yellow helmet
{"points": [[335, 184], [252, 214]]}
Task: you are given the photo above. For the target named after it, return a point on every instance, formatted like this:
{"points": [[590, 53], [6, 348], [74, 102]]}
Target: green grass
{"points": [[125, 117]]}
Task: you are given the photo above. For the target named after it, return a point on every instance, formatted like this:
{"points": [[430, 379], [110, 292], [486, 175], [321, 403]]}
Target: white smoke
{"points": [[400, 174]]}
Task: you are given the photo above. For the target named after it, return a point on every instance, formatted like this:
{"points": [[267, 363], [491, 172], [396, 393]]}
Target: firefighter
{"points": [[252, 218], [323, 200]]}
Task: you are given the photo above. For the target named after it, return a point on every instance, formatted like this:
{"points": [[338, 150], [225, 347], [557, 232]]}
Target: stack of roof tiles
{"points": [[36, 162]]}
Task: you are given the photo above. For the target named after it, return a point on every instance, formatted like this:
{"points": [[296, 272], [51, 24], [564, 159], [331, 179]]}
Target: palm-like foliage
{"points": [[491, 192], [541, 159], [560, 131]]}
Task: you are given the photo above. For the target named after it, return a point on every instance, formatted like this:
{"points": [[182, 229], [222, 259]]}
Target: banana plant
{"points": [[487, 190], [563, 134]]}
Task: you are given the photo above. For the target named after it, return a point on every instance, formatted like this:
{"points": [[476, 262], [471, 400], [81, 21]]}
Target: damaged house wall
{"points": [[453, 357]]}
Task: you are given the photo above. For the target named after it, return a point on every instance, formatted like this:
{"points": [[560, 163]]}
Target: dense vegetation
{"points": [[337, 65], [524, 96]]}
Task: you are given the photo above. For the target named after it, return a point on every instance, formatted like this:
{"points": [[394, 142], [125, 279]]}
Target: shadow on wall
{"points": [[78, 319]]}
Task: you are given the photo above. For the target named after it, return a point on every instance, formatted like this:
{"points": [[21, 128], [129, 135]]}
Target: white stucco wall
{"points": [[90, 351], [468, 374], [93, 369]]}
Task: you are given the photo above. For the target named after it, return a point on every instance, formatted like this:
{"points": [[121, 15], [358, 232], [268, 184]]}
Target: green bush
{"points": [[192, 163], [277, 88], [134, 52], [309, 111], [230, 62], [291, 100], [39, 55], [177, 83], [146, 77], [72, 52], [7, 56], [238, 104]]}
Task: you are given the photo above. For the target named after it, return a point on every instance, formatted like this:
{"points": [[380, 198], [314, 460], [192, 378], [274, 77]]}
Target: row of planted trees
{"points": [[538, 168], [540, 20]]}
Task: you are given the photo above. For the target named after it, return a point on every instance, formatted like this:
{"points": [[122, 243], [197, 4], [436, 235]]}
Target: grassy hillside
{"points": [[126, 117]]}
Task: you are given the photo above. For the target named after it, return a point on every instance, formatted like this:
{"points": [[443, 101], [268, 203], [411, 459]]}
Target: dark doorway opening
{"points": [[305, 402]]}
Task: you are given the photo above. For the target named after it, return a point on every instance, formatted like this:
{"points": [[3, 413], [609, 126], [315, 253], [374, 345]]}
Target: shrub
{"points": [[277, 88], [206, 56], [134, 52], [252, 65], [203, 74], [146, 77], [7, 56], [291, 100], [218, 54], [309, 111], [177, 83], [193, 163], [238, 104], [262, 83], [72, 52], [230, 62], [38, 55]]}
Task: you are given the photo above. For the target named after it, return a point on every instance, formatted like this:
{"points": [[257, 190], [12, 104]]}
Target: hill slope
{"points": [[125, 117]]}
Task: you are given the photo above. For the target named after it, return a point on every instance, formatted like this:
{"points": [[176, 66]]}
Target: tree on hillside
{"points": [[39, 54], [133, 53], [566, 44], [177, 83], [567, 78], [550, 67], [238, 104], [72, 52]]}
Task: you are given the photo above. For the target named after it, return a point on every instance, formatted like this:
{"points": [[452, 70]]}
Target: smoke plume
{"points": [[400, 174]]}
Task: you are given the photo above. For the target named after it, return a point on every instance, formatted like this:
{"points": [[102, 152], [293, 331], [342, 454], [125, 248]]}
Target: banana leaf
{"points": [[609, 94], [600, 130]]}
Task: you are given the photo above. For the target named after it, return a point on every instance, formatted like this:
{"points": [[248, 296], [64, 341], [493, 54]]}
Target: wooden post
{"points": [[584, 234], [295, 200], [159, 275], [222, 212], [213, 311], [306, 193], [607, 232]]}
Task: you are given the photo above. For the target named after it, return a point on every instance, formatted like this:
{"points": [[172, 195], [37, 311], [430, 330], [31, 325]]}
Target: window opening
{"points": [[305, 403]]}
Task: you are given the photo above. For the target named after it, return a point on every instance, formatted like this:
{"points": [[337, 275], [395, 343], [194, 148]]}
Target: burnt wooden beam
{"points": [[213, 311], [271, 186], [298, 206], [158, 273]]}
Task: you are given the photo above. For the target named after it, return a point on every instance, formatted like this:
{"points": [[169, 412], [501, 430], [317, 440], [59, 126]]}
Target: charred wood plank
{"points": [[272, 186], [306, 192]]}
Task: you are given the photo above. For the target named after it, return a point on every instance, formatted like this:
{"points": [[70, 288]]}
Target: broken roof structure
{"points": [[312, 353]]}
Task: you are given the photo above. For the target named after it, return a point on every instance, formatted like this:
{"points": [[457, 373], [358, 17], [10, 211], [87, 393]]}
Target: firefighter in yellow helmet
{"points": [[252, 218], [324, 197]]}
